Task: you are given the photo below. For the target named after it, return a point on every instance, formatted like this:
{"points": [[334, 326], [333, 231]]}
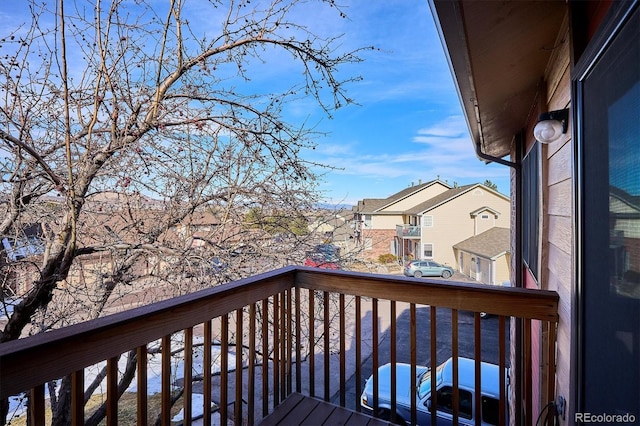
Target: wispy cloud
{"points": [[442, 149]]}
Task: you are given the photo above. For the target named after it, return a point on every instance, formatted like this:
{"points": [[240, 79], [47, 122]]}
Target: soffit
{"points": [[498, 52]]}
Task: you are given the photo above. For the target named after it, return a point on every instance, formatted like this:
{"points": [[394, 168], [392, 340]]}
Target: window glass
{"points": [[445, 401], [490, 410], [428, 221], [530, 215], [610, 275], [427, 250]]}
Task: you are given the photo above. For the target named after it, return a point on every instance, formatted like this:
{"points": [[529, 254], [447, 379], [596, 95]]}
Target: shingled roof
{"points": [[440, 199], [490, 244], [371, 205]]}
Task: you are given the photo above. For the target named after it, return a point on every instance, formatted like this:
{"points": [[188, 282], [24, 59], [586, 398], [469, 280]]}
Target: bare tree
{"points": [[136, 139]]}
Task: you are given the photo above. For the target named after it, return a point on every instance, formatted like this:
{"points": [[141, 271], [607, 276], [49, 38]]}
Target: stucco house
{"points": [[425, 221], [573, 67]]}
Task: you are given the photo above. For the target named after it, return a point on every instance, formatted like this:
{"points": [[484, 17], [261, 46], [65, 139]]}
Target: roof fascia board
{"points": [[448, 18]]}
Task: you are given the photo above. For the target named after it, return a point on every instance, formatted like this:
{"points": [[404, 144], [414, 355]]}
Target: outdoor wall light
{"points": [[551, 125]]}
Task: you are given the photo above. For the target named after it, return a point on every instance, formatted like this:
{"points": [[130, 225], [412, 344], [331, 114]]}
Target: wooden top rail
{"points": [[498, 300], [31, 361]]}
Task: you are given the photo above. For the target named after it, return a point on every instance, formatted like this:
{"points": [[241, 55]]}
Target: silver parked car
{"points": [[427, 268], [488, 412]]}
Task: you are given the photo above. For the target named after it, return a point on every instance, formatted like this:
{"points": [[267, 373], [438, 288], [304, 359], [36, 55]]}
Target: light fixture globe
{"points": [[548, 131], [551, 126]]}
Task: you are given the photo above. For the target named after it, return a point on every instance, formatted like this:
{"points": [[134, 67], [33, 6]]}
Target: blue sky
{"points": [[409, 125]]}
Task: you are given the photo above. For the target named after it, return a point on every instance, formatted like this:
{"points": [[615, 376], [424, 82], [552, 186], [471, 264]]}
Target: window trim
{"points": [[432, 251]]}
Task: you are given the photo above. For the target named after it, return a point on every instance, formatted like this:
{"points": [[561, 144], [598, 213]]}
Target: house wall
{"points": [[485, 224], [558, 257], [379, 242], [502, 269], [452, 222], [494, 272], [413, 200], [379, 221]]}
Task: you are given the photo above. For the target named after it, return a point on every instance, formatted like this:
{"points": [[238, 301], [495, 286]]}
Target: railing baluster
{"points": [[392, 347], [251, 376], [284, 356], [289, 352], [166, 380], [312, 343], [454, 354], [358, 354], [77, 398], [36, 405], [112, 391], [298, 343], [343, 374], [237, 412], [265, 356], [527, 375], [551, 355], [224, 368], [374, 345], [327, 347], [206, 372], [414, 361], [434, 362], [188, 375], [477, 354], [141, 397], [276, 351], [503, 371]]}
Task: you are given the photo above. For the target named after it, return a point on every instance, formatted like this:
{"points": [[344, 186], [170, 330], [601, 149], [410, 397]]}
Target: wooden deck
{"points": [[302, 410]]}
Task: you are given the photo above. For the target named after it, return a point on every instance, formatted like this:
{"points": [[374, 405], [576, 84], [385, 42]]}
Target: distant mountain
{"points": [[336, 207]]}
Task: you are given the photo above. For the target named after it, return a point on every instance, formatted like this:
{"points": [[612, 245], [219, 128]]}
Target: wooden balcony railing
{"points": [[297, 329]]}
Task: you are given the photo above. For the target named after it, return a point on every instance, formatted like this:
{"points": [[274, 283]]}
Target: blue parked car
{"points": [[427, 268]]}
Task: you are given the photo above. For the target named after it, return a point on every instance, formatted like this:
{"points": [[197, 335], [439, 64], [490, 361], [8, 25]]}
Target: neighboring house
{"points": [[376, 219], [486, 257], [28, 243], [425, 221], [334, 228], [575, 197]]}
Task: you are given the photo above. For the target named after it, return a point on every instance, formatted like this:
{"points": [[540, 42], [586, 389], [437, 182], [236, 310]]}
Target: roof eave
{"points": [[497, 53]]}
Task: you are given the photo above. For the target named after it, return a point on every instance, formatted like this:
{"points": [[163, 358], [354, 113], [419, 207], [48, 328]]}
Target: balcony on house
{"points": [[294, 334], [408, 231]]}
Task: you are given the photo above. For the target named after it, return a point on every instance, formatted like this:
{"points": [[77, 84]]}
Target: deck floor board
{"points": [[301, 410]]}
